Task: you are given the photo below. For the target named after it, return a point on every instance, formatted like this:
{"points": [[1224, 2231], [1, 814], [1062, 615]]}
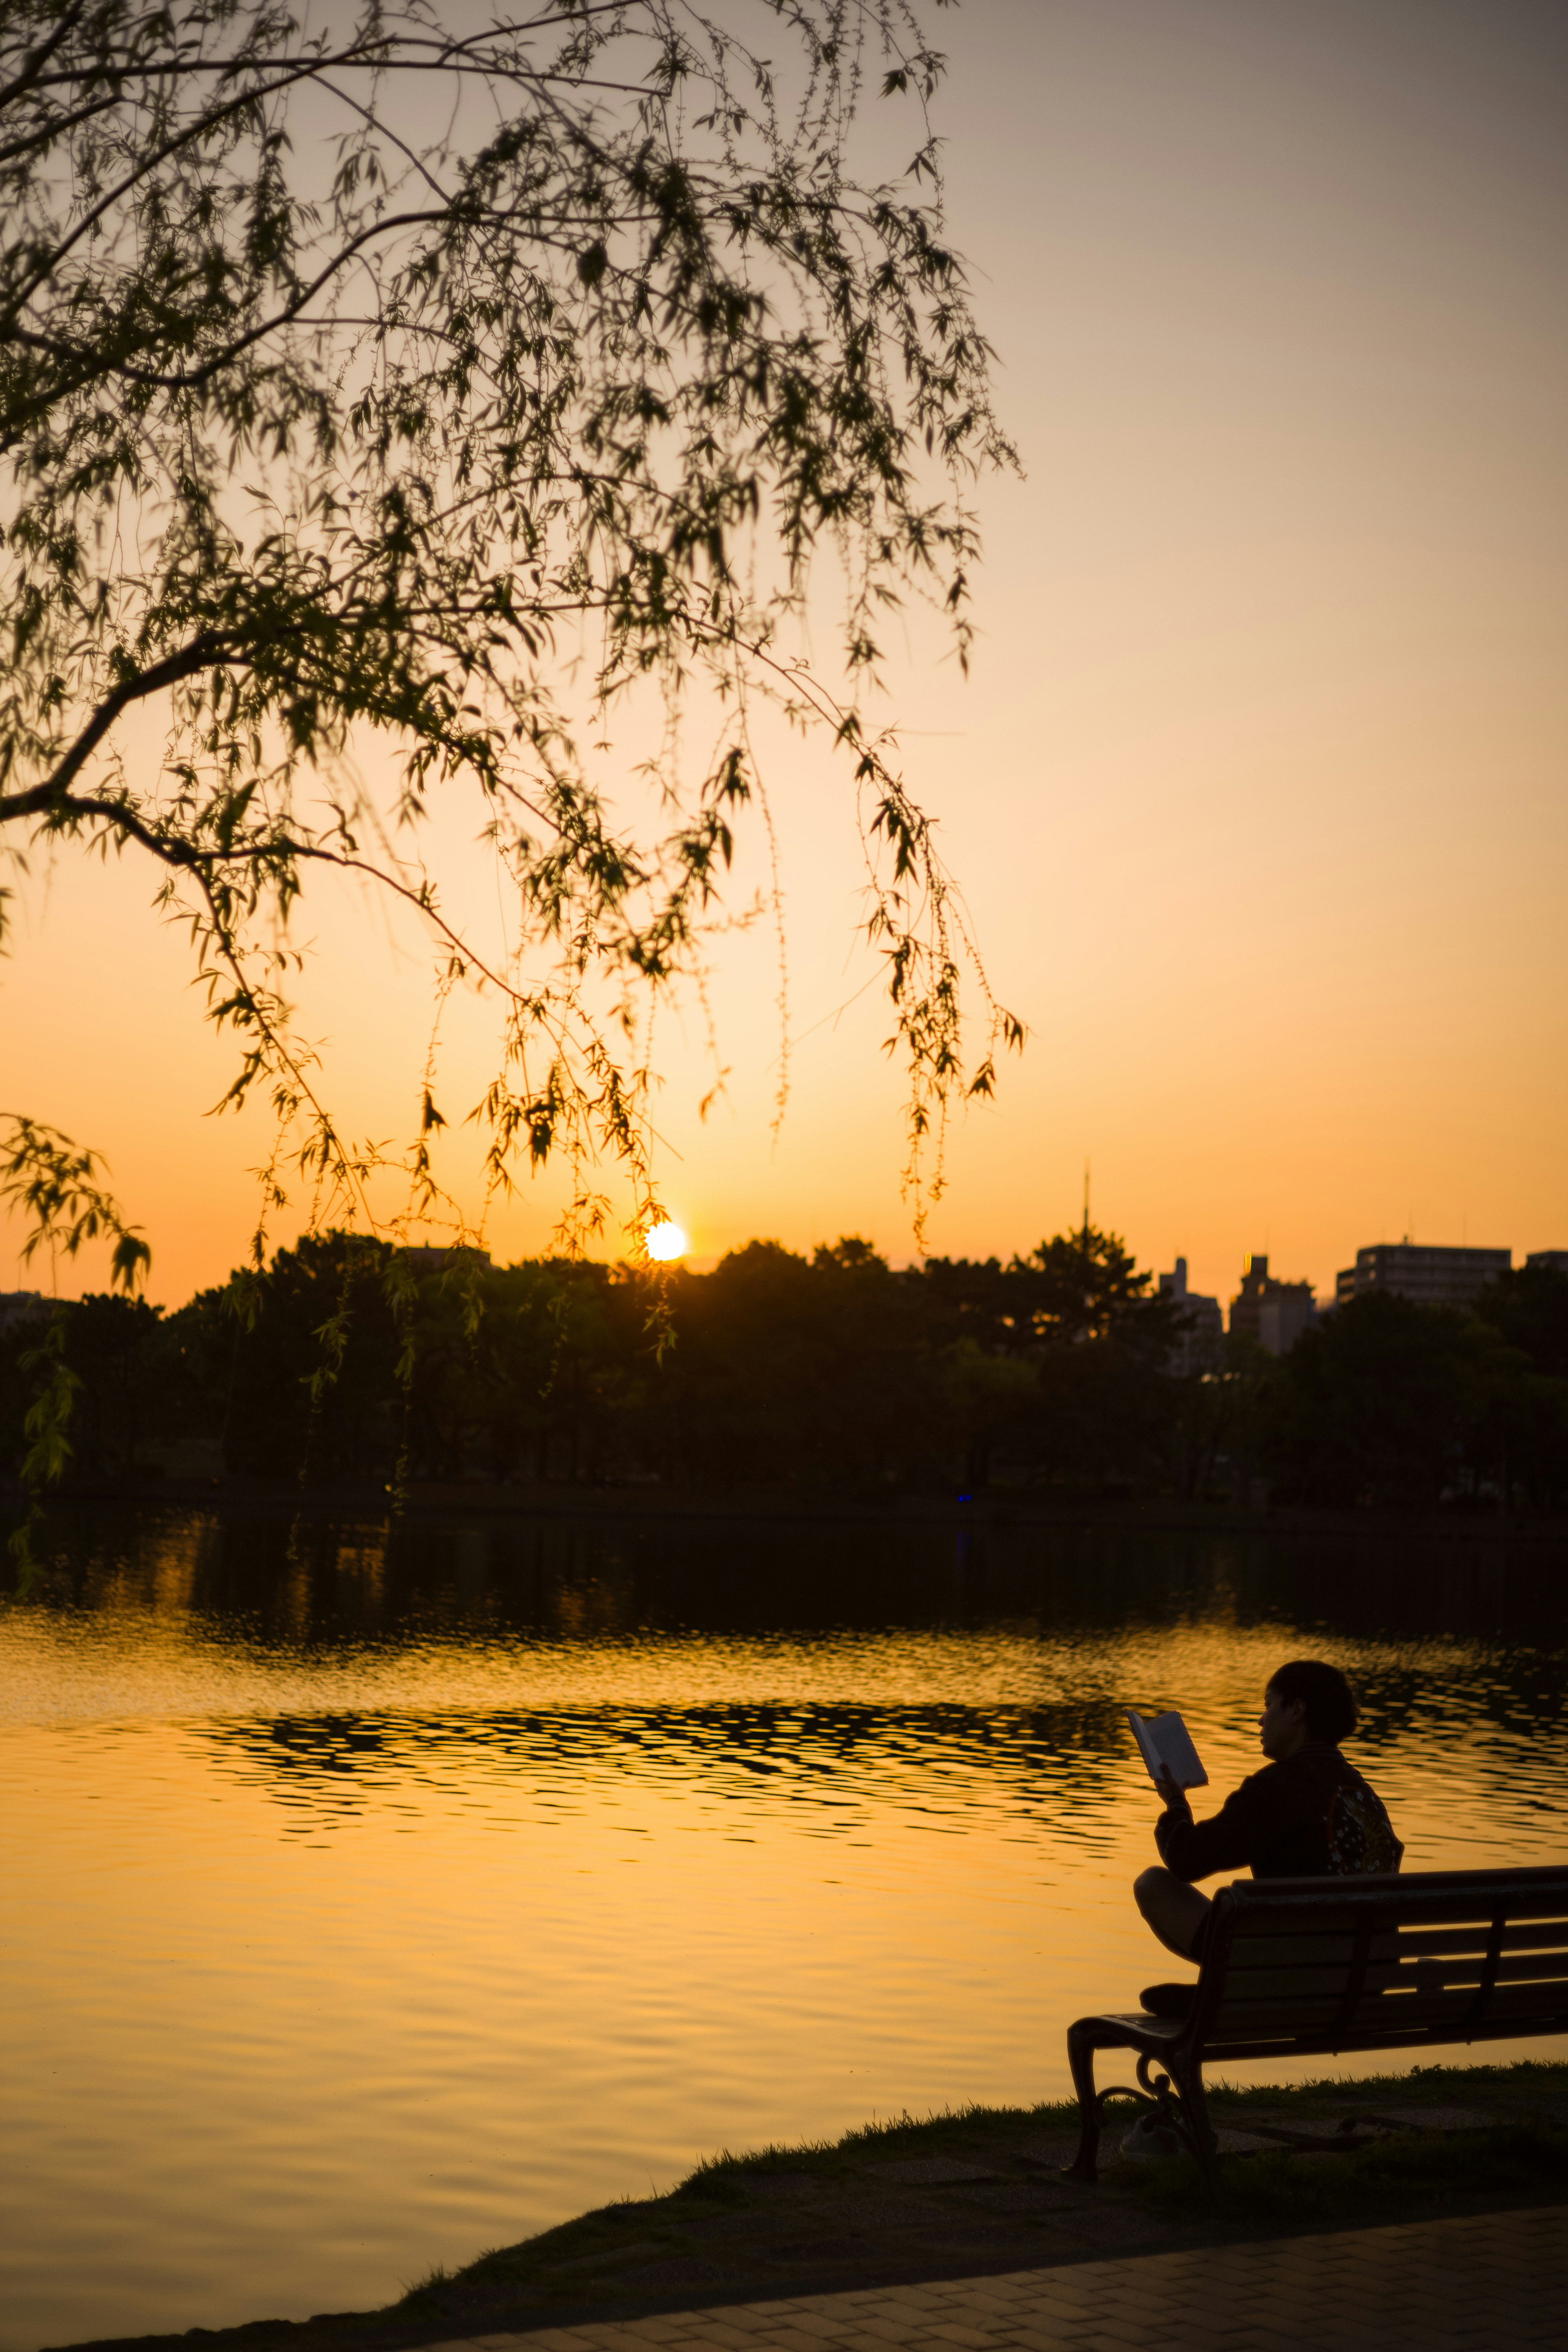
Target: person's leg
{"points": [[1176, 1911]]}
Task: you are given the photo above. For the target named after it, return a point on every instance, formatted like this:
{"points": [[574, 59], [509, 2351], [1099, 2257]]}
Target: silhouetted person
{"points": [[1308, 1815]]}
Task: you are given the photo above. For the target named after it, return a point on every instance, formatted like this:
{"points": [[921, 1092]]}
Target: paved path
{"points": [[1488, 2283]]}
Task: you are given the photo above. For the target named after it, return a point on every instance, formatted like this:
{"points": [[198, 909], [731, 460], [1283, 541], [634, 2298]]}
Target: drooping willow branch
{"points": [[57, 1188], [316, 439]]}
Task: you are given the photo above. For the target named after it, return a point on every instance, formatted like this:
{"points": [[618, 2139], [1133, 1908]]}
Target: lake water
{"points": [[368, 1903]]}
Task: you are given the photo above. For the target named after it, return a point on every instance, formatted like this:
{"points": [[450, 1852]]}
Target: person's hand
{"points": [[1175, 1795]]}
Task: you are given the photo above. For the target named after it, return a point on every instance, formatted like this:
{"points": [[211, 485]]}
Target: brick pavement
{"points": [[1485, 2283]]}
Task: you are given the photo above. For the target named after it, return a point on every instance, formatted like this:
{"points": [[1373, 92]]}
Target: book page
{"points": [[1163, 1741], [1146, 1747]]}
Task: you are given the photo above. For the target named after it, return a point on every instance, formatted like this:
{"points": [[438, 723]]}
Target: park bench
{"points": [[1320, 1967]]}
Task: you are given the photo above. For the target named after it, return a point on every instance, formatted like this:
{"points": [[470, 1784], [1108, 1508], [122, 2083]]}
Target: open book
{"points": [[1163, 1743]]}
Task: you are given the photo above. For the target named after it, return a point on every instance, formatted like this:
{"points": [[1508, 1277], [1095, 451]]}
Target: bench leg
{"points": [[1080, 2058], [1195, 2119]]}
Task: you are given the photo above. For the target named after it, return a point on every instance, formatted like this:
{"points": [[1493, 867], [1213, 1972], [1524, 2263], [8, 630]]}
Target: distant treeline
{"points": [[347, 1363]]}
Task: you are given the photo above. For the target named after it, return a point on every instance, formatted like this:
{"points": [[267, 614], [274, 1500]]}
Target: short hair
{"points": [[1323, 1691]]}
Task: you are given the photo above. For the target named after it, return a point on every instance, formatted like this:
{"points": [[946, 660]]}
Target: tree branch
{"points": [[39, 799]]}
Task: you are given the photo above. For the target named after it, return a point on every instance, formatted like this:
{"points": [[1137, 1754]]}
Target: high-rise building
{"points": [[1419, 1271], [1201, 1340], [1272, 1313], [1556, 1260]]}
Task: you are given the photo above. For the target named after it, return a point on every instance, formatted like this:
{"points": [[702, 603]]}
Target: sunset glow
{"points": [[665, 1242], [1253, 788]]}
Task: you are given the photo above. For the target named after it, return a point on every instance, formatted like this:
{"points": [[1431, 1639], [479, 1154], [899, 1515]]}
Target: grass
{"points": [[1528, 2159], [437, 2276], [884, 2141], [1525, 2155]]}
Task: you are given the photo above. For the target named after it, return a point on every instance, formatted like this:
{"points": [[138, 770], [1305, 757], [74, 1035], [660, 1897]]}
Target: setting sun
{"points": [[666, 1242]]}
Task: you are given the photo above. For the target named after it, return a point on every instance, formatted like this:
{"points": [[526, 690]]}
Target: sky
{"points": [[1255, 787]]}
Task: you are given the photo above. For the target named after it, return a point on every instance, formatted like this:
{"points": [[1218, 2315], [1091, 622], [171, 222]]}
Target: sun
{"points": [[666, 1242]]}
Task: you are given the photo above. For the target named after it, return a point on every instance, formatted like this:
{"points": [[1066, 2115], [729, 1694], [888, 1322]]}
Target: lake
{"points": [[373, 1901]]}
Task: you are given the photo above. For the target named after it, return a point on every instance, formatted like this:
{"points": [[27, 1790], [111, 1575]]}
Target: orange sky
{"points": [[1256, 788]]}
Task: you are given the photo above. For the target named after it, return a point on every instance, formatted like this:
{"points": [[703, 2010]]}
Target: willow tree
{"points": [[353, 364]]}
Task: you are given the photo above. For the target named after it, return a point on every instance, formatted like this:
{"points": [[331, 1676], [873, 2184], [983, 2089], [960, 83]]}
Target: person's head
{"points": [[1306, 1700]]}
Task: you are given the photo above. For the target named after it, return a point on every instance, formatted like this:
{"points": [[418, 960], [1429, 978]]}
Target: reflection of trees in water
{"points": [[1458, 1641], [1063, 1769], [310, 1584], [129, 1559], [313, 1578], [1040, 1763], [1518, 1690]]}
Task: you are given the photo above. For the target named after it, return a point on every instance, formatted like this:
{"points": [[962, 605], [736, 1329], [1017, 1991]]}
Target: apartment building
{"points": [[1430, 1275]]}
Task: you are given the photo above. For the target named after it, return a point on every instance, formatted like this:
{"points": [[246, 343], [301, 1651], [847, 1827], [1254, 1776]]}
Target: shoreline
{"points": [[975, 2192]]}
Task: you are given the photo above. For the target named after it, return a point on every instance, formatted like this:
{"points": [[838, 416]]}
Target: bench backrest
{"points": [[1455, 1955]]}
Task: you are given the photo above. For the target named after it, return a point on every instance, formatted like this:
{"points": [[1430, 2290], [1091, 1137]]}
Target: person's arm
{"points": [[1192, 1850], [1176, 1805]]}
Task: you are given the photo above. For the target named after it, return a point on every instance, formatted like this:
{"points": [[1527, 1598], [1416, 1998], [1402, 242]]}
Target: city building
{"points": [[1556, 1261], [21, 1306], [1418, 1271], [1271, 1313], [1201, 1337]]}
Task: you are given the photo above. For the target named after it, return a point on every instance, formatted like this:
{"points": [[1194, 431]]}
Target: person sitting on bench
{"points": [[1308, 1815]]}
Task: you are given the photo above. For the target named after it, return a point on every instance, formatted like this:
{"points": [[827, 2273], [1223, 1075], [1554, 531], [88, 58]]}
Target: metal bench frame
{"points": [[1490, 1911]]}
